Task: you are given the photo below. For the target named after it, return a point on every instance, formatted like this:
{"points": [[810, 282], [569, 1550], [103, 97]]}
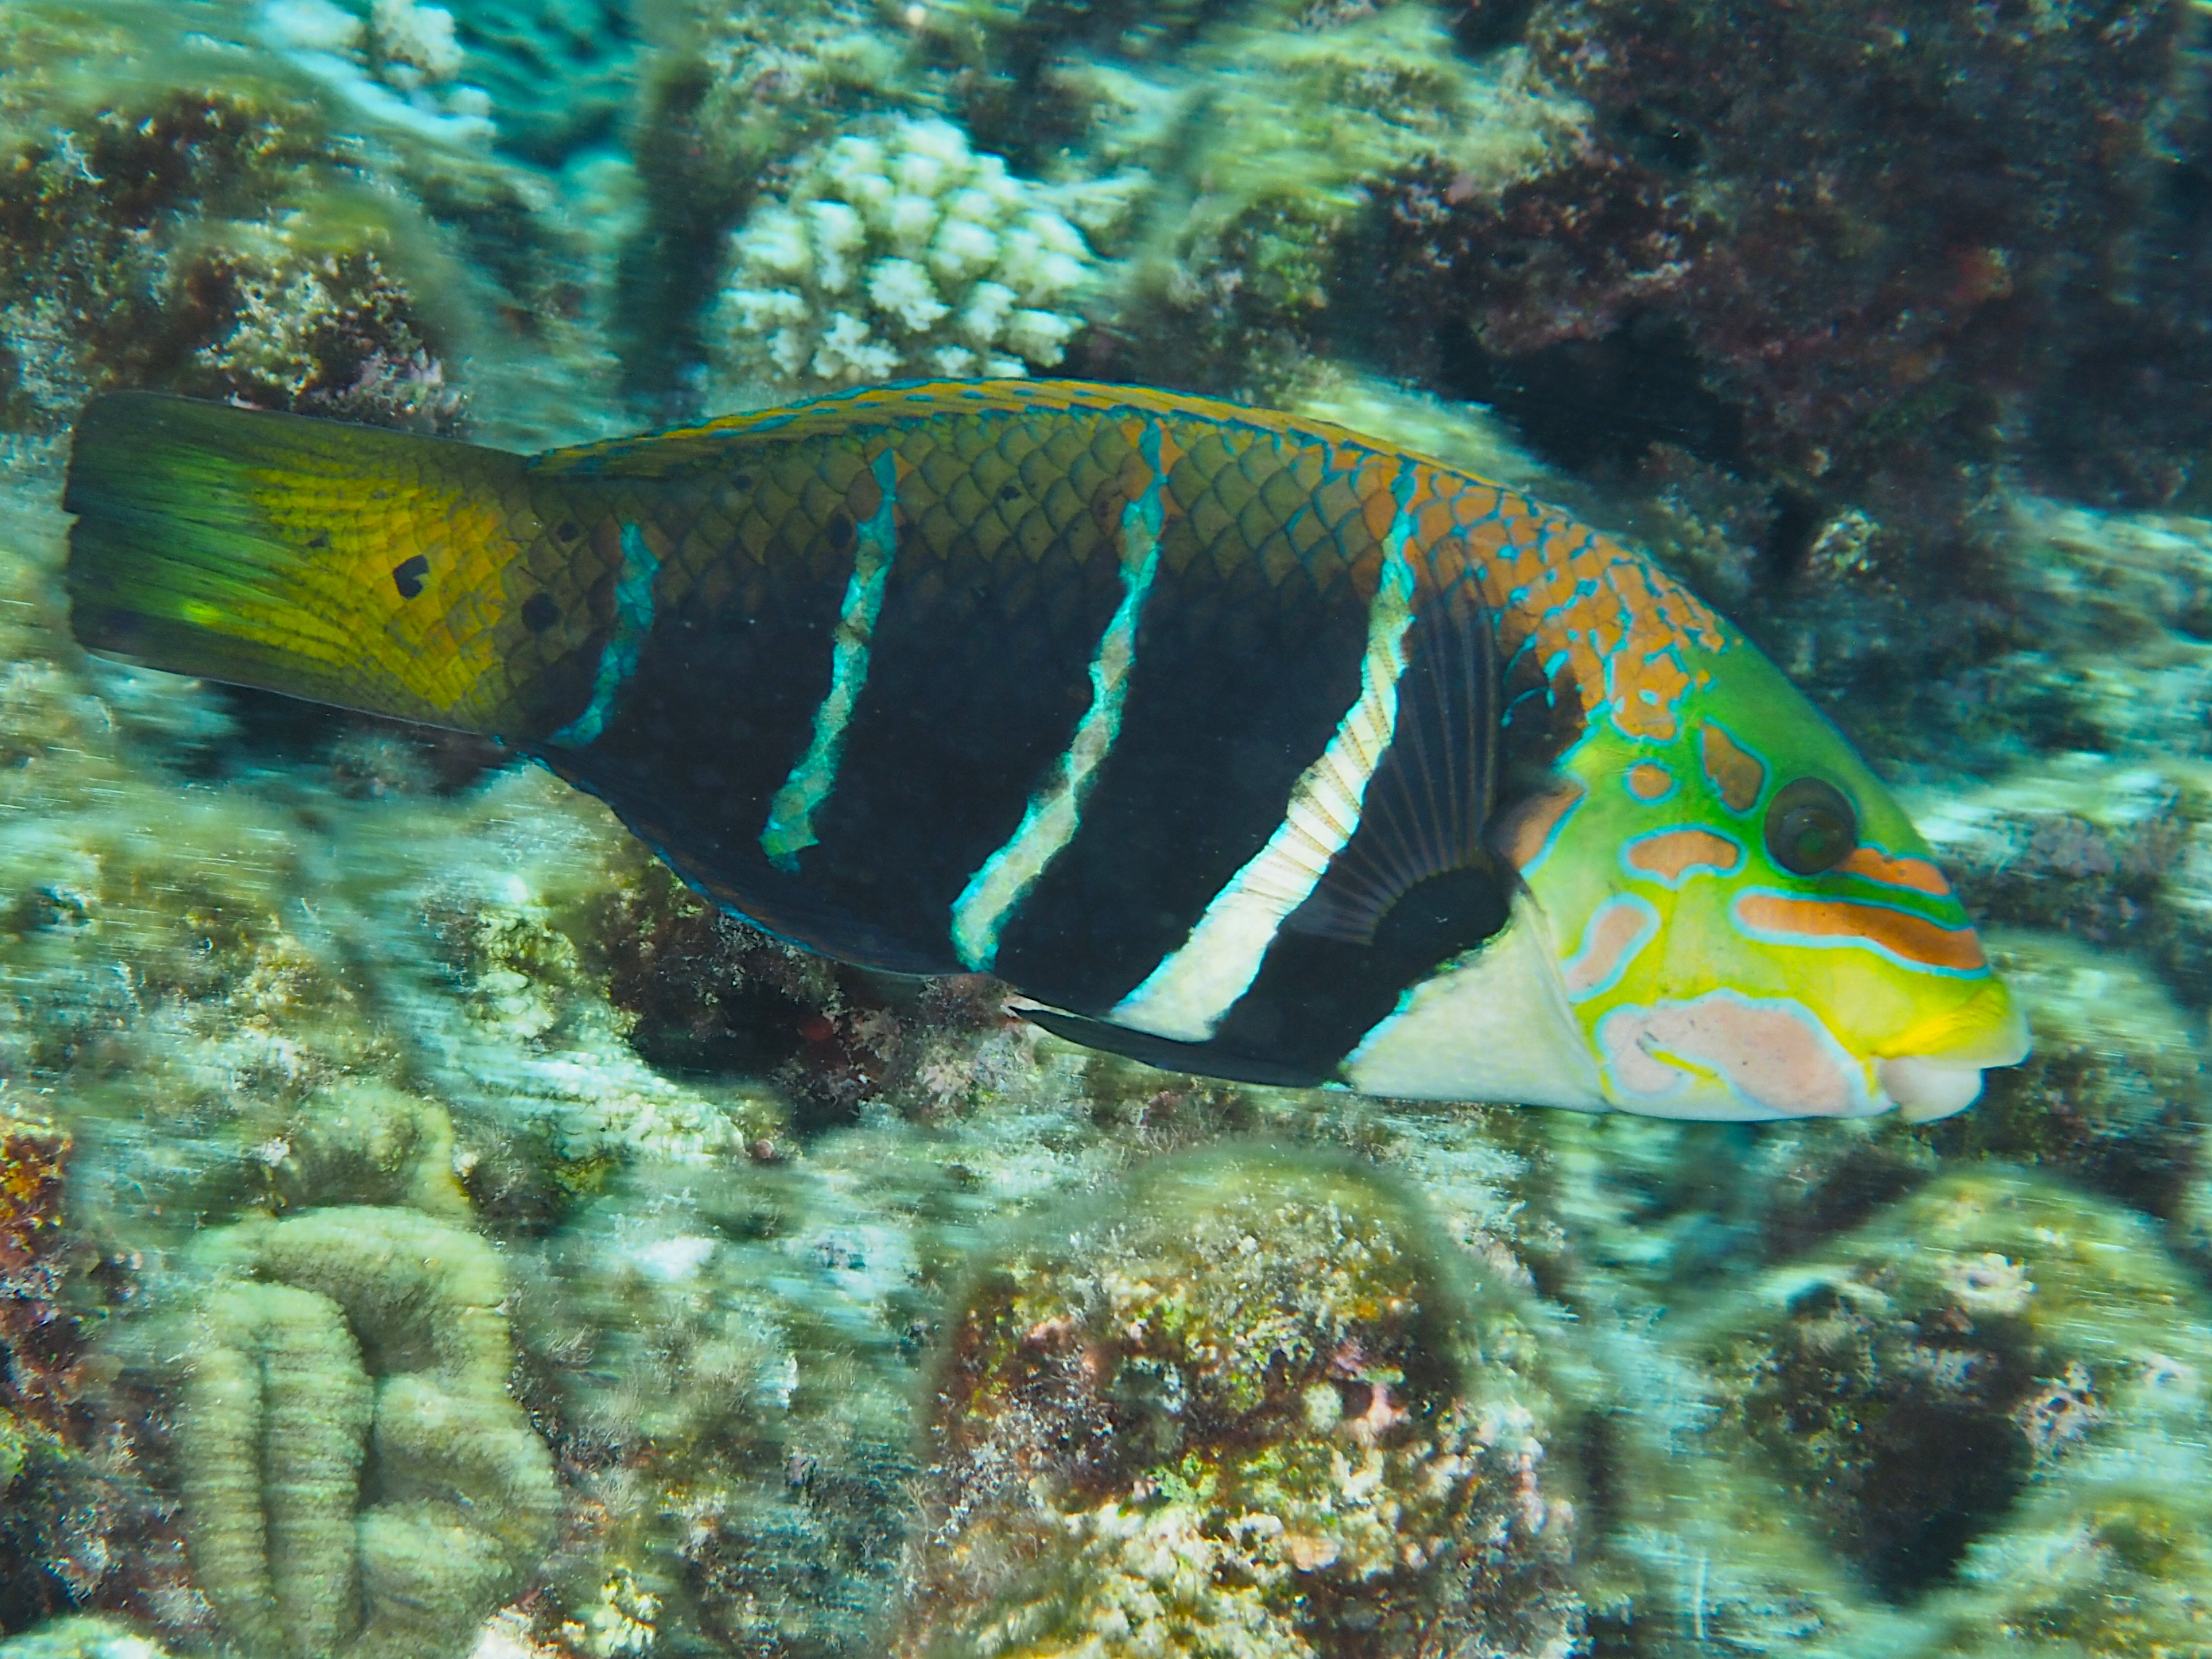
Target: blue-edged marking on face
{"points": [[1185, 996], [1680, 854], [618, 656], [1888, 931], [1618, 930], [790, 828], [1722, 1054], [1055, 812]]}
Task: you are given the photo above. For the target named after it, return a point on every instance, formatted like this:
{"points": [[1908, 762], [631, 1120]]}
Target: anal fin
{"points": [[1198, 1059], [747, 887]]}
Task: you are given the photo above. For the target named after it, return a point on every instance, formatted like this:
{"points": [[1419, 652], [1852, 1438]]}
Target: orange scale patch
{"points": [[1645, 694], [1647, 781], [1738, 774], [1899, 932]]}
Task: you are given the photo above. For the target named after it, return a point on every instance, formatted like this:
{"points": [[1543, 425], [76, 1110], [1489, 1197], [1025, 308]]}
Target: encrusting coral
{"points": [[1248, 1404], [356, 1478]]}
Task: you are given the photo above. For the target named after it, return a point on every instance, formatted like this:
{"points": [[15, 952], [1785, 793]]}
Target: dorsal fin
{"points": [[1431, 799]]}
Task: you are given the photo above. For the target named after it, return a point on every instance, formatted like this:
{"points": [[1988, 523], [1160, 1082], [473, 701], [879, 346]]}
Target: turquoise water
{"points": [[428, 1229]]}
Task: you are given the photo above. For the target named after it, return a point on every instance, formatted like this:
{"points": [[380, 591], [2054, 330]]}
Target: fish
{"points": [[1231, 741]]}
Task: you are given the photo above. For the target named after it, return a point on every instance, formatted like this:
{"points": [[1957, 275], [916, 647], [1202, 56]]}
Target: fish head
{"points": [[1744, 923]]}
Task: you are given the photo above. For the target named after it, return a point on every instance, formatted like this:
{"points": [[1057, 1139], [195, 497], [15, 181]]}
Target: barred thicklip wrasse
{"points": [[1236, 742]]}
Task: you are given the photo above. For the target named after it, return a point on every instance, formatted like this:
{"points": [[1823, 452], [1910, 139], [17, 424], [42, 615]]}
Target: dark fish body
{"points": [[1186, 720]]}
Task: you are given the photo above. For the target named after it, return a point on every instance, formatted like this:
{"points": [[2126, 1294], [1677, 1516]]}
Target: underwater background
{"points": [[427, 1230]]}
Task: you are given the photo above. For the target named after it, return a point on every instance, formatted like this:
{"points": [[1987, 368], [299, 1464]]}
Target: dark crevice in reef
{"points": [[1486, 24], [741, 1029], [668, 275], [359, 755], [1798, 517], [1598, 405]]}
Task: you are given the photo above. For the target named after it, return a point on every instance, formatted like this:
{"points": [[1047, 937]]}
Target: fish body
{"points": [[1234, 741]]}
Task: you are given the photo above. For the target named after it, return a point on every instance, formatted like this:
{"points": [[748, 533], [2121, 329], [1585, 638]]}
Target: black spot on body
{"points": [[840, 532], [539, 612], [408, 575], [567, 531], [321, 538]]}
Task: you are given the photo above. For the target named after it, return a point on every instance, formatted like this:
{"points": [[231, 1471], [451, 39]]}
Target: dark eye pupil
{"points": [[1810, 827]]}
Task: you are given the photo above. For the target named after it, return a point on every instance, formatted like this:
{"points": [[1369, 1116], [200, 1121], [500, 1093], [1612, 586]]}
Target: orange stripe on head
{"points": [[1671, 854], [1913, 940], [1872, 864], [1738, 774]]}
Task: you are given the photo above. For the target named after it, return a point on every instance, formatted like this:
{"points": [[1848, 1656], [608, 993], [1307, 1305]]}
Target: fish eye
{"points": [[1810, 827]]}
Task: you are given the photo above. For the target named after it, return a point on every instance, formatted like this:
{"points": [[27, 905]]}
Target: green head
{"points": [[1744, 923]]}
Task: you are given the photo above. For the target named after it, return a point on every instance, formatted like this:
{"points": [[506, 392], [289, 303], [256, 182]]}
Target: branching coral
{"points": [[900, 251]]}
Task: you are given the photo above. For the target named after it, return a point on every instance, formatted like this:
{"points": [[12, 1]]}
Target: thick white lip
{"points": [[1928, 1086], [1926, 1089]]}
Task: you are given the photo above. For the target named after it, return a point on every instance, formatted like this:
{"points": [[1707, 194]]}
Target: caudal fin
{"points": [[310, 557]]}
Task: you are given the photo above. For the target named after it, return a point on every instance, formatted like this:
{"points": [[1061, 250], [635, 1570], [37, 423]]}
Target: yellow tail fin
{"points": [[343, 564]]}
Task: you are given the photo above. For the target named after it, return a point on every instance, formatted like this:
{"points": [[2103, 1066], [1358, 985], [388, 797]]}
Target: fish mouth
{"points": [[1930, 1086]]}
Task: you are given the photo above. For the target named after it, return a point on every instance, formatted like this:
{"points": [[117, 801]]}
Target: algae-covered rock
{"points": [[2114, 1092], [90, 1637], [1917, 1378], [356, 1478], [1249, 1404]]}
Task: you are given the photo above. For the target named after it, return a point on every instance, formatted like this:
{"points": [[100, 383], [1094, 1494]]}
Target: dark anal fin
{"points": [[747, 888], [1198, 1059], [1429, 801]]}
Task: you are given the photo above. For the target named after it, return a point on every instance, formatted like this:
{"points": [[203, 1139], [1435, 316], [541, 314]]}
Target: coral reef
{"points": [[82, 1638], [34, 1332], [273, 216], [1952, 210], [1245, 1406], [427, 1227]]}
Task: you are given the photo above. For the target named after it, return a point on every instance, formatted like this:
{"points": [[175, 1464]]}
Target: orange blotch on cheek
{"points": [[1913, 940], [1738, 774], [1620, 928]]}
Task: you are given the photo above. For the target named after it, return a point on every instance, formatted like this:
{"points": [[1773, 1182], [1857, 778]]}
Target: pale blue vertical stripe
{"points": [[1055, 812], [1186, 995], [618, 656], [790, 828]]}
